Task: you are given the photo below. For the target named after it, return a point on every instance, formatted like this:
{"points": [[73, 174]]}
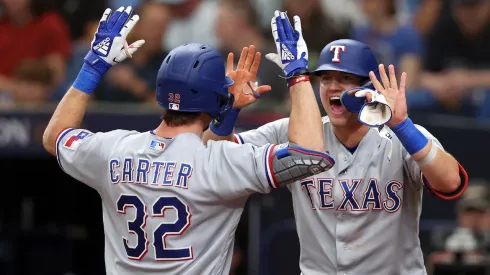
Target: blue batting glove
{"points": [[108, 47], [292, 52]]}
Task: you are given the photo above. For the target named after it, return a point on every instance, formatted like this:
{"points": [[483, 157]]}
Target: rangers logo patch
{"points": [[74, 141]]}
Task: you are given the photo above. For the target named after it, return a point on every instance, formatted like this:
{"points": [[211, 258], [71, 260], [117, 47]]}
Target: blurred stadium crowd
{"points": [[443, 45]]}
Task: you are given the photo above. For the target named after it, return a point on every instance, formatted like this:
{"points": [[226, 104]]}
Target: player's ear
{"points": [[205, 118]]}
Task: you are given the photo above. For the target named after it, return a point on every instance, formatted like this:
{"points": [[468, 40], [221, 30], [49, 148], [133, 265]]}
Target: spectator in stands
{"points": [[484, 229], [457, 62], [114, 4], [193, 21], [77, 13], [426, 14], [134, 80], [28, 33], [33, 80], [318, 28], [80, 47], [236, 15], [344, 12], [390, 41], [466, 239]]}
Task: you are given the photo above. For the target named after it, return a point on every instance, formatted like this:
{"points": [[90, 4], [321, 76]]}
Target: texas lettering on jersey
{"points": [[322, 189], [351, 219]]}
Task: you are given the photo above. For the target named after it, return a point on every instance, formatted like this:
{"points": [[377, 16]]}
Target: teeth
{"points": [[334, 97]]}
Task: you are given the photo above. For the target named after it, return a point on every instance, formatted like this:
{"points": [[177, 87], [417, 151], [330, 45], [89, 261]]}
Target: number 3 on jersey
{"points": [[137, 226]]}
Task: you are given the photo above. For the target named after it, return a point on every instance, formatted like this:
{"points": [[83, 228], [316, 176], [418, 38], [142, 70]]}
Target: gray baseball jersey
{"points": [[362, 216], [170, 206]]}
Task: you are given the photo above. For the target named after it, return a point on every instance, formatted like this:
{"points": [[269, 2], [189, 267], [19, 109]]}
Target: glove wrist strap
{"points": [[225, 128], [92, 70], [300, 73], [294, 67], [87, 79], [97, 63]]}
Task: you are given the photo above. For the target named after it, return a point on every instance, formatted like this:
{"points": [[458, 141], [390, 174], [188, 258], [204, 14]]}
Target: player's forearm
{"points": [[68, 114], [209, 135], [305, 124], [438, 167], [224, 129], [442, 172]]}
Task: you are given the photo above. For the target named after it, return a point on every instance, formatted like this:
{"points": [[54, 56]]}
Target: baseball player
{"points": [[362, 216], [171, 204]]}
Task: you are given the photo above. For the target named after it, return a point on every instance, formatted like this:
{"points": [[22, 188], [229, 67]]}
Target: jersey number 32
{"points": [[137, 226]]}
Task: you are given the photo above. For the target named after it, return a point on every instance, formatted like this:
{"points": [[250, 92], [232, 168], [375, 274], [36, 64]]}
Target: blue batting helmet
{"points": [[349, 56], [192, 78]]}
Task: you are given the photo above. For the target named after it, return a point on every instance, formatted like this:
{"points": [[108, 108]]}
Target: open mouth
{"points": [[336, 105]]}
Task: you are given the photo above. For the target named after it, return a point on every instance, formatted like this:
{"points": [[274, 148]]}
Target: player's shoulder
{"points": [[85, 134], [115, 137], [284, 122], [83, 140], [214, 145], [118, 134], [279, 123], [219, 147]]}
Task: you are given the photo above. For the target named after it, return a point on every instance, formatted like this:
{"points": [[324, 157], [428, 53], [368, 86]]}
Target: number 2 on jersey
{"points": [[137, 226]]}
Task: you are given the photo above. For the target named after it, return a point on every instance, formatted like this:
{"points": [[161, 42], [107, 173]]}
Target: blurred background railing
{"points": [[51, 224]]}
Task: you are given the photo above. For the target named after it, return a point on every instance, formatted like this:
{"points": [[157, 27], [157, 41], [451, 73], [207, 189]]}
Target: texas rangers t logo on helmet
{"points": [[336, 52]]}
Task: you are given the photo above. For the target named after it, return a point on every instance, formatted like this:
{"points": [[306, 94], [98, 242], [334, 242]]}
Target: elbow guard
{"points": [[291, 162]]}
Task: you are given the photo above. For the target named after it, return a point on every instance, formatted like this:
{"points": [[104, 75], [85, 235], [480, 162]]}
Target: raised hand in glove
{"points": [[108, 48], [292, 52]]}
